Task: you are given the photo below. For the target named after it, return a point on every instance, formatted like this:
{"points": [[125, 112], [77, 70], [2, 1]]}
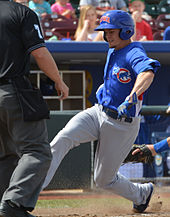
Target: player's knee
{"points": [[64, 140], [100, 182]]}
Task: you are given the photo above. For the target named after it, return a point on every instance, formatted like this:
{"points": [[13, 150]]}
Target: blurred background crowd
{"points": [[76, 19]]}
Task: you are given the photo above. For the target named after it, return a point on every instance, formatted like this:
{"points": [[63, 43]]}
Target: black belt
{"points": [[114, 114], [4, 81]]}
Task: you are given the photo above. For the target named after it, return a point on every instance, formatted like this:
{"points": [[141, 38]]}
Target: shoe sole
{"points": [[147, 201]]}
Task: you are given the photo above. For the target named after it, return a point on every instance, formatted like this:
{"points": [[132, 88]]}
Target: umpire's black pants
{"points": [[25, 153]]}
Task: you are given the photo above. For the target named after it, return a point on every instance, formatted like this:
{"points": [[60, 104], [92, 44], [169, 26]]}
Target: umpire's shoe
{"points": [[141, 208], [9, 210]]}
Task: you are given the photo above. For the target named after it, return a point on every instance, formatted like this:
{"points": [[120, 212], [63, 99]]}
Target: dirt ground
{"points": [[159, 205]]}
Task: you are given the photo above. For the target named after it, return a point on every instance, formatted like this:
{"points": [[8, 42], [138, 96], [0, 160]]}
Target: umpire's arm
{"points": [[47, 64]]}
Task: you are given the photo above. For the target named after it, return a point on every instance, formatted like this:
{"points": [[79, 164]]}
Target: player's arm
{"points": [[143, 81], [156, 148], [47, 64]]}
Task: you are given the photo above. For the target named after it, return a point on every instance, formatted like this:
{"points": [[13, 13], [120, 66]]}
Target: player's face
{"points": [[113, 38]]}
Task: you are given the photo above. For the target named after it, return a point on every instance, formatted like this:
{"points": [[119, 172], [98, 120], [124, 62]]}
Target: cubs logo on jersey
{"points": [[123, 75]]}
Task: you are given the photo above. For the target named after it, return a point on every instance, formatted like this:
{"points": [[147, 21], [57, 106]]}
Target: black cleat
{"points": [[7, 210]]}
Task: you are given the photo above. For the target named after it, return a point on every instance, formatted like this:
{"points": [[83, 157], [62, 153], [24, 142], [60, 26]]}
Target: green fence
{"points": [[75, 170]]}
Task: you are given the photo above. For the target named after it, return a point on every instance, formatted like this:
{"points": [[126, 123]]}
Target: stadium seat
{"points": [[48, 33], [164, 7], [50, 17], [59, 24], [153, 25], [158, 36], [152, 9], [163, 21]]}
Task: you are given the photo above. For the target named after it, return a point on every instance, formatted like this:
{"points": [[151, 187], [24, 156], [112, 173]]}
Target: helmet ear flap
{"points": [[126, 33]]}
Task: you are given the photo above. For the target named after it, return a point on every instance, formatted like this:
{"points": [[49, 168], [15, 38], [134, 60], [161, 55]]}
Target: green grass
{"points": [[76, 203]]}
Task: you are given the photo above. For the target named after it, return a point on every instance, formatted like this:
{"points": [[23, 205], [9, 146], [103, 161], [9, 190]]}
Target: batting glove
{"points": [[123, 109]]}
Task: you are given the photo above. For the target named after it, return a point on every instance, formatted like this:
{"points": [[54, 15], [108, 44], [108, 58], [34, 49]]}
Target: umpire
{"points": [[25, 153]]}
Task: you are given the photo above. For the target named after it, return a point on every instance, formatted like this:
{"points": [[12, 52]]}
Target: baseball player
{"points": [[25, 154], [114, 120]]}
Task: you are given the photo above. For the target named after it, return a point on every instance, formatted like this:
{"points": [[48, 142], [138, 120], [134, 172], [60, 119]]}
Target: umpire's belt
{"points": [[114, 114], [4, 81]]}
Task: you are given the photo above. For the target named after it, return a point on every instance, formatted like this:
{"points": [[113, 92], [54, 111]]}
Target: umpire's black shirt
{"points": [[20, 33]]}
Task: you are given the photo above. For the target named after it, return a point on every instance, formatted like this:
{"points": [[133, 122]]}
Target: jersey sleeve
{"points": [[31, 32], [140, 62]]}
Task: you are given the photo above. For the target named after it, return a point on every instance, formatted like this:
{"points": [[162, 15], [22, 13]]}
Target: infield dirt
{"points": [[79, 203]]}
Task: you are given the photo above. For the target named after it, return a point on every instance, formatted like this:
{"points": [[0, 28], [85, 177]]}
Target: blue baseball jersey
{"points": [[120, 73]]}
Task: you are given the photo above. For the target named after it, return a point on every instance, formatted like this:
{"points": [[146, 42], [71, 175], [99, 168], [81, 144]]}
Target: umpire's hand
{"points": [[62, 90]]}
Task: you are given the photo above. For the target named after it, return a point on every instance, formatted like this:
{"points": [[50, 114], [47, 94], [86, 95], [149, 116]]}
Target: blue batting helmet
{"points": [[117, 19]]}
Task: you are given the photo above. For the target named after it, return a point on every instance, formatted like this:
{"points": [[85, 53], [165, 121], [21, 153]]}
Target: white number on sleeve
{"points": [[38, 30]]}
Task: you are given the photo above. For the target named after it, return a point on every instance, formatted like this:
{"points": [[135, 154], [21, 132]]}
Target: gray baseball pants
{"points": [[115, 139], [25, 153]]}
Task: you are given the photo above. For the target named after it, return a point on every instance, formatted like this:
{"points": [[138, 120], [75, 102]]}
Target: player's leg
{"points": [[31, 144], [82, 128], [116, 139]]}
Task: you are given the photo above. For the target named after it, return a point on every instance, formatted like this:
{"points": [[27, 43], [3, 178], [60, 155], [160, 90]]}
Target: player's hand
{"points": [[62, 90], [136, 151], [140, 151], [123, 109]]}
